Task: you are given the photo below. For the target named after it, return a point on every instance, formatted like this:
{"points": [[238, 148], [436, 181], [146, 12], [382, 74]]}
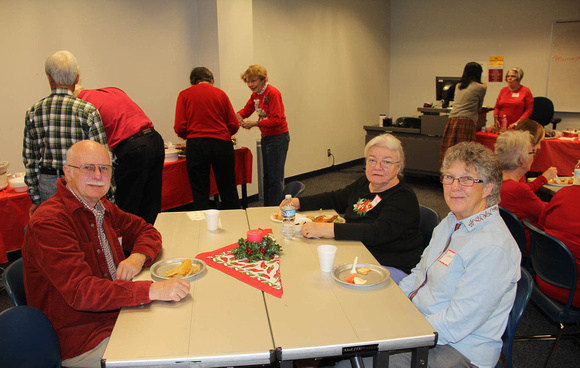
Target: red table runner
{"points": [[176, 190], [263, 275], [562, 154], [14, 208]]}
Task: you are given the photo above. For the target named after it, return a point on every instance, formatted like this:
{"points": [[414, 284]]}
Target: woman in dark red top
{"points": [[514, 101]]}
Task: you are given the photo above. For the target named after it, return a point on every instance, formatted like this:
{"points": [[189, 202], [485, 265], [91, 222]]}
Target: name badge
{"points": [[516, 94], [447, 257]]}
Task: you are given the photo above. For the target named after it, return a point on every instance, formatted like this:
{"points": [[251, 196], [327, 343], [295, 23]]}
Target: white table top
{"points": [[204, 327], [318, 317]]}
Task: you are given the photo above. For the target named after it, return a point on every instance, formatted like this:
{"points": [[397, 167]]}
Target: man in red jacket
{"points": [[75, 270]]}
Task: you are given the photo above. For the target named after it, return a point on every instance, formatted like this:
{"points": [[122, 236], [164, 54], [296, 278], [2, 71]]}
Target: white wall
{"points": [[330, 61], [144, 47], [437, 38]]}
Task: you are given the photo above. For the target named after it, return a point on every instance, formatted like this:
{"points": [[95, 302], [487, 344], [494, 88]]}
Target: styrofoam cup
{"points": [[212, 218], [326, 254]]}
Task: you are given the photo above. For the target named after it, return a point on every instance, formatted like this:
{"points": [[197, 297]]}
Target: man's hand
{"points": [[131, 266], [173, 289]]}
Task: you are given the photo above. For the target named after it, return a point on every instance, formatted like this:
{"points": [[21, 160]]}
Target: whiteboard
{"points": [[564, 69]]}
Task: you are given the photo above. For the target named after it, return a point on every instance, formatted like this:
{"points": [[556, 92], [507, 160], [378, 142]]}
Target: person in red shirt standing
{"points": [[205, 117], [266, 101], [138, 150], [514, 101]]}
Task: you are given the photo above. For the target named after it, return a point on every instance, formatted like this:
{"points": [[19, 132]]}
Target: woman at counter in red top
{"points": [[560, 218], [514, 151], [266, 101], [514, 101]]}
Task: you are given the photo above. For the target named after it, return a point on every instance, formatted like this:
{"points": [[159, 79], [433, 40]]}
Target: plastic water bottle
{"points": [[577, 173], [503, 122], [288, 214]]}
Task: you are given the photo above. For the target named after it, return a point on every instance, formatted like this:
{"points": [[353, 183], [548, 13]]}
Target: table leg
{"points": [[381, 360], [419, 357]]}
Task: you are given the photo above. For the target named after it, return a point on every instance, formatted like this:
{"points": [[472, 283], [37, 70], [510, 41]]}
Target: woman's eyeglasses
{"points": [[464, 181], [385, 164]]}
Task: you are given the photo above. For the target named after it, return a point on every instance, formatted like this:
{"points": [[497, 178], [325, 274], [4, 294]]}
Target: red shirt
{"points": [[64, 268], [514, 105], [204, 111], [520, 199], [272, 119], [561, 219], [122, 117]]}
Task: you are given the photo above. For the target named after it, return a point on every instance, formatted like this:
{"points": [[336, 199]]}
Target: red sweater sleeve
{"points": [[528, 103]]}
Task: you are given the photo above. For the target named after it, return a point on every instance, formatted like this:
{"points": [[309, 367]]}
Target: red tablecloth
{"points": [[176, 190], [13, 217], [563, 155]]}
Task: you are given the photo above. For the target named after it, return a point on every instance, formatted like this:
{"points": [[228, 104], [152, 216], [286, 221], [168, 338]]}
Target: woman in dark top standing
{"points": [[380, 210]]}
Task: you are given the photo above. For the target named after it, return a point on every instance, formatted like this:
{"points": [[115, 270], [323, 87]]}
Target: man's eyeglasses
{"points": [[464, 181], [91, 168], [385, 164]]}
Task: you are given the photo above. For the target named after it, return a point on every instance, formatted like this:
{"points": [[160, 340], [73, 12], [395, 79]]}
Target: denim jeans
{"points": [[274, 150]]}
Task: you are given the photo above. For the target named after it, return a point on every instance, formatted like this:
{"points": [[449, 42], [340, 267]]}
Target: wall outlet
{"points": [[328, 152]]}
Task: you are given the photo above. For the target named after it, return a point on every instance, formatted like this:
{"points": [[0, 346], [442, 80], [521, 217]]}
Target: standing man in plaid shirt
{"points": [[53, 125]]}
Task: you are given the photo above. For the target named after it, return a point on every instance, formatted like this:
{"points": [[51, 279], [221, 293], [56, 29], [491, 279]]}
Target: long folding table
{"points": [[225, 322]]}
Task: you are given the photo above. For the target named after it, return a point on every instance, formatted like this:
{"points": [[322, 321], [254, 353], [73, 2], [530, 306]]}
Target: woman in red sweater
{"points": [[560, 219], [266, 101], [515, 153], [514, 101]]}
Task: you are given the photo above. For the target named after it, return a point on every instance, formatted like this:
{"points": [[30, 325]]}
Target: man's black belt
{"points": [[46, 171], [139, 134]]}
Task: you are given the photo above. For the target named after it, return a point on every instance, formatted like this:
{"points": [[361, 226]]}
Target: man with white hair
{"points": [[53, 125]]}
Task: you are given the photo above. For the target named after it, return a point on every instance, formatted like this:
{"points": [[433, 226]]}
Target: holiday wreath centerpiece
{"points": [[257, 247]]}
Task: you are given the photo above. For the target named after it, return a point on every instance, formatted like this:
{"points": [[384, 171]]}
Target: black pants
{"points": [[203, 153], [138, 175]]}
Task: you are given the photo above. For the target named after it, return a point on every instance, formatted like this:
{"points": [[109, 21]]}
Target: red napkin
{"points": [[264, 275]]}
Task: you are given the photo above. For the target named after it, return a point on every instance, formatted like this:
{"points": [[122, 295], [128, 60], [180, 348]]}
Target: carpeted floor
{"points": [[430, 194]]}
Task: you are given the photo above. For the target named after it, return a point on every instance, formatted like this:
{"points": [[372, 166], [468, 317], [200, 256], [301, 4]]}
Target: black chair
{"points": [[523, 293], [294, 188], [519, 234], [543, 112], [27, 339], [429, 220], [13, 279], [554, 263]]}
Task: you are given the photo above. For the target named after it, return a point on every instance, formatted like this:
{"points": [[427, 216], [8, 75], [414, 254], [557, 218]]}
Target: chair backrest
{"points": [[429, 220], [552, 261], [516, 228], [13, 279], [523, 294], [27, 339], [294, 188], [543, 110]]}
